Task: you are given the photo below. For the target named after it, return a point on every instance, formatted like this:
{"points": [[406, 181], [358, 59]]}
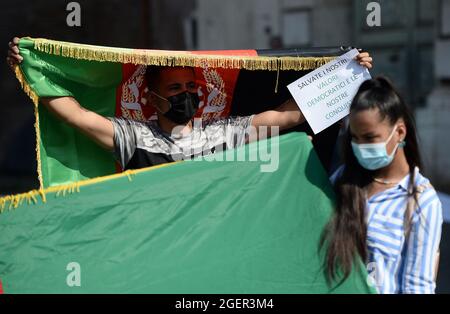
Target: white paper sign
{"points": [[325, 94]]}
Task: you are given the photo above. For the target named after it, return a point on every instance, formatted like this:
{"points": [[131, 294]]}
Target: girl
{"points": [[387, 212]]}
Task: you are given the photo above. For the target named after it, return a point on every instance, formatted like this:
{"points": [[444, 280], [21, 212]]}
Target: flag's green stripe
{"points": [[192, 227], [66, 154]]}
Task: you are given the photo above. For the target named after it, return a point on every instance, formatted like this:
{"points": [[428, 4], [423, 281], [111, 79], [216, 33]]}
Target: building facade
{"points": [[411, 47]]}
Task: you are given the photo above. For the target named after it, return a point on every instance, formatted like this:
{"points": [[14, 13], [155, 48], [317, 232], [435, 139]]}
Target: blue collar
{"points": [[405, 181]]}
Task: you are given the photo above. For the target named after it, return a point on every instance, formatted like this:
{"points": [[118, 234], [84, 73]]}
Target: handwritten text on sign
{"points": [[325, 94]]}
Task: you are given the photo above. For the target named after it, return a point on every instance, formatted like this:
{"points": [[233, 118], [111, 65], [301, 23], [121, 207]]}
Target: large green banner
{"points": [[199, 226]]}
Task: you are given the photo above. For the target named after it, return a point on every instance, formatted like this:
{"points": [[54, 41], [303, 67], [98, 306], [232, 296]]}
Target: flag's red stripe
{"points": [[225, 79], [240, 53]]}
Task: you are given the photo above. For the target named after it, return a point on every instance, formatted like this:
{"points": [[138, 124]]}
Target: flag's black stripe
{"points": [[255, 92], [305, 52]]}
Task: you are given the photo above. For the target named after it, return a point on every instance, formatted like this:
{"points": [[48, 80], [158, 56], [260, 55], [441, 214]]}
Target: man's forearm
{"points": [[285, 116], [291, 114], [66, 109], [93, 125]]}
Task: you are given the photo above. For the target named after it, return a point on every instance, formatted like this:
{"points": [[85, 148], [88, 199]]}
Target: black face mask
{"points": [[183, 107]]}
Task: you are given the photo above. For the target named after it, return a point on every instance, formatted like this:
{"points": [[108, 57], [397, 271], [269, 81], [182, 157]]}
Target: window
{"points": [[297, 28]]}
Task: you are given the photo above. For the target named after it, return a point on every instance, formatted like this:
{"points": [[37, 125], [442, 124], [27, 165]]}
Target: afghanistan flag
{"points": [[198, 226], [111, 82]]}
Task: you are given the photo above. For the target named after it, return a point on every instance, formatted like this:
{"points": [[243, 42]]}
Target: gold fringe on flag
{"points": [[144, 57], [14, 201], [35, 99], [176, 58]]}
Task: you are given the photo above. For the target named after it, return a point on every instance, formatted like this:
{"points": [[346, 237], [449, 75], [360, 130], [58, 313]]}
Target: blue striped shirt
{"points": [[393, 265]]}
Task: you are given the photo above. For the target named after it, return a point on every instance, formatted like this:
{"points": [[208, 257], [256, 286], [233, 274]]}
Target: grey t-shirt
{"points": [[143, 144]]}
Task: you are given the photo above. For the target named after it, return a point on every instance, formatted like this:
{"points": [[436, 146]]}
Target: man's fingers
{"points": [[12, 45], [14, 58], [15, 49], [14, 53], [362, 55], [366, 64], [366, 59]]}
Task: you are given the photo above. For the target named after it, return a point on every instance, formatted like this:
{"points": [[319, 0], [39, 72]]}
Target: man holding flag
{"points": [[174, 136]]}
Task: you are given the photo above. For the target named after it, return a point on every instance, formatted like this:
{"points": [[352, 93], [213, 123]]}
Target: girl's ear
{"points": [[401, 130]]}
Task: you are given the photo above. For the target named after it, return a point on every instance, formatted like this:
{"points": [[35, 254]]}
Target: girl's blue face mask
{"points": [[374, 156]]}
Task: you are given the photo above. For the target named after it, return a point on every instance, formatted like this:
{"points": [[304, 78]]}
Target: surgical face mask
{"points": [[374, 156], [183, 106]]}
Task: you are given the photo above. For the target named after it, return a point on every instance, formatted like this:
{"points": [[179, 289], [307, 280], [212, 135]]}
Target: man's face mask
{"points": [[183, 106], [374, 156]]}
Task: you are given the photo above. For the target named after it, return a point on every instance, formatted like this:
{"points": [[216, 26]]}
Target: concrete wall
{"points": [[433, 121], [236, 25], [332, 23], [251, 24]]}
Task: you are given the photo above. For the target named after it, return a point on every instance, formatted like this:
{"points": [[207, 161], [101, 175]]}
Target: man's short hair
{"points": [[152, 75], [153, 72]]}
